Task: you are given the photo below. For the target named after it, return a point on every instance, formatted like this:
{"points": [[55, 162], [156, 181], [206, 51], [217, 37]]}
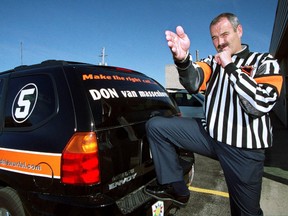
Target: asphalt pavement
{"points": [[209, 194]]}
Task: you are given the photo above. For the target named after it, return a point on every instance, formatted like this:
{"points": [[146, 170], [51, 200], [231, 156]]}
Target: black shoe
{"points": [[166, 192]]}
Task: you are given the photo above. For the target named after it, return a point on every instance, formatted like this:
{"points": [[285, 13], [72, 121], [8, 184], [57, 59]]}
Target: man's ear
{"points": [[240, 30]]}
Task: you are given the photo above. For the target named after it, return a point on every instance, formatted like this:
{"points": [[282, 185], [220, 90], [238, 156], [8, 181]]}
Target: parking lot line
{"points": [[214, 192]]}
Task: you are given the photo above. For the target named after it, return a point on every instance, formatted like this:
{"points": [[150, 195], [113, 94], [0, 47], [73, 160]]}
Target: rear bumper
{"points": [[135, 203], [48, 204]]}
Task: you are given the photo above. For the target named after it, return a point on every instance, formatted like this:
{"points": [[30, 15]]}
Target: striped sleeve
{"points": [[258, 90], [206, 71], [194, 75]]}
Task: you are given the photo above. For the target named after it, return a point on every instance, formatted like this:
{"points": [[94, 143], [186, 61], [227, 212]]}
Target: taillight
{"points": [[80, 161]]}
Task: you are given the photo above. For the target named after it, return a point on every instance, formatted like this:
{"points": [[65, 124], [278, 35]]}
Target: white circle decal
{"points": [[24, 103]]}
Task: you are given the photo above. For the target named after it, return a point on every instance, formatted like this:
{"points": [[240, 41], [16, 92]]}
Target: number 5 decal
{"points": [[24, 103]]}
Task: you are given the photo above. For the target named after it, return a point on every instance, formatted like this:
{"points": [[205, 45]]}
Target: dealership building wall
{"points": [[279, 48], [171, 77]]}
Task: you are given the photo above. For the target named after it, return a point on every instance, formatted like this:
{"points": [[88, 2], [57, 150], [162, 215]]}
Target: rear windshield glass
{"points": [[117, 96], [186, 99]]}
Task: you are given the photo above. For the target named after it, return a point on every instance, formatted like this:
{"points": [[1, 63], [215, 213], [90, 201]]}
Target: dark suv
{"points": [[73, 142]]}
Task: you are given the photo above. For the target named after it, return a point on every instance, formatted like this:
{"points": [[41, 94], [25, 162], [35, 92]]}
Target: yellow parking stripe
{"points": [[213, 192]]}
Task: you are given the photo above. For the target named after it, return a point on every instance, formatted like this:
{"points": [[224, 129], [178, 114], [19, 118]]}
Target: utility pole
{"points": [[103, 55], [197, 55]]}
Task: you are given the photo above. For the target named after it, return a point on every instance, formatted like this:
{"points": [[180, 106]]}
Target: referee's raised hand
{"points": [[179, 43]]}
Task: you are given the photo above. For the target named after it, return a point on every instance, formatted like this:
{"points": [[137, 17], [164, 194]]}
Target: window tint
{"points": [[1, 102], [185, 99], [1, 87], [118, 98], [30, 101]]}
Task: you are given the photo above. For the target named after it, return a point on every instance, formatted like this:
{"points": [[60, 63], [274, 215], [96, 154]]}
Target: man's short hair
{"points": [[233, 19]]}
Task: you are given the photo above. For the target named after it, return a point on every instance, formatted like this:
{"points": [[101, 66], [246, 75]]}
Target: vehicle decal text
{"points": [[117, 78], [24, 103], [30, 163], [108, 93]]}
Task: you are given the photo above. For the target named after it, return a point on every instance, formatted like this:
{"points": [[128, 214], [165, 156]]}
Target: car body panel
{"points": [[43, 106]]}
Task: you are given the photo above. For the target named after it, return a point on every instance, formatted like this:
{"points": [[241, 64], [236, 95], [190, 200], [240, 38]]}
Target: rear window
{"points": [[31, 101], [118, 97], [186, 99], [1, 86]]}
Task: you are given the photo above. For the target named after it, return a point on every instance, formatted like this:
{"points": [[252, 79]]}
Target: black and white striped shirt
{"points": [[238, 98]]}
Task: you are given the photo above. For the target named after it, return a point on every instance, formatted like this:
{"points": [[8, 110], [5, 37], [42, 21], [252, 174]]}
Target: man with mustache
{"points": [[241, 87]]}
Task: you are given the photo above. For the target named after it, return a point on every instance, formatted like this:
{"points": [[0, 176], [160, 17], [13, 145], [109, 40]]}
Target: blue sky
{"points": [[132, 31]]}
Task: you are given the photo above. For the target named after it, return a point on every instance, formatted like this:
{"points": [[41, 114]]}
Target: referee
{"points": [[241, 87]]}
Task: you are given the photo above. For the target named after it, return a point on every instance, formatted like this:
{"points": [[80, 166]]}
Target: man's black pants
{"points": [[243, 169]]}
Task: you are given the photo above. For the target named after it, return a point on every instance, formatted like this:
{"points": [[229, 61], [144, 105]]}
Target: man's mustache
{"points": [[220, 47]]}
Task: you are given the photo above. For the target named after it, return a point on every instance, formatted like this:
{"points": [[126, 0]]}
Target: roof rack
{"points": [[53, 62], [50, 62]]}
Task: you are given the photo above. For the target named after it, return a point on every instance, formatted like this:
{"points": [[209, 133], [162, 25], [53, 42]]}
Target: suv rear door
{"points": [[2, 80], [121, 101]]}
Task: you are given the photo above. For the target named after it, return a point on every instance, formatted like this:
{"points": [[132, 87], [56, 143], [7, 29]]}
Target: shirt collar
{"points": [[244, 52]]}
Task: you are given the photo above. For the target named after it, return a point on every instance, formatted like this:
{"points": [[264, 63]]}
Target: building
{"points": [[172, 77], [279, 48]]}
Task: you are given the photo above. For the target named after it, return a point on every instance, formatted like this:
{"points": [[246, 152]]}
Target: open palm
{"points": [[178, 42]]}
